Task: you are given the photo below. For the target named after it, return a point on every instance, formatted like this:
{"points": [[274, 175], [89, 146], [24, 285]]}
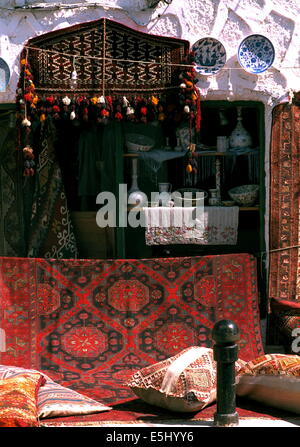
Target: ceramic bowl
{"points": [[245, 195], [180, 200], [138, 143], [228, 202]]}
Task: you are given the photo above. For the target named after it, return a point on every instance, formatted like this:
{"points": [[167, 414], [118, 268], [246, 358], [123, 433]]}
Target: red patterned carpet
{"points": [[90, 323]]}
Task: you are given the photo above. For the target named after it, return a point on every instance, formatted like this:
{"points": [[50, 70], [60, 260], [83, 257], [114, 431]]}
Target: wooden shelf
{"points": [[137, 154], [242, 208], [212, 153], [200, 154], [249, 208], [215, 153]]}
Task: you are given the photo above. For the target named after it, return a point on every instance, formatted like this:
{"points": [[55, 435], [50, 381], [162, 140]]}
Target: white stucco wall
{"points": [[227, 20]]}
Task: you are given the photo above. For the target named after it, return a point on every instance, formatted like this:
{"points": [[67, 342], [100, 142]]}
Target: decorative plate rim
{"points": [[215, 70], [271, 45], [5, 66]]}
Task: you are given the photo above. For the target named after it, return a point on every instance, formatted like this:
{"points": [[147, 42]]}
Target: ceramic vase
{"points": [[240, 137], [135, 196]]}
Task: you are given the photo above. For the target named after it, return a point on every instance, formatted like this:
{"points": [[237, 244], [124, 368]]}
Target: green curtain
{"points": [[112, 148]]}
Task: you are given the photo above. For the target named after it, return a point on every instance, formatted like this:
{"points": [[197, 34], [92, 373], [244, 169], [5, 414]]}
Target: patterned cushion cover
{"points": [[273, 379], [56, 400], [18, 400], [185, 382]]}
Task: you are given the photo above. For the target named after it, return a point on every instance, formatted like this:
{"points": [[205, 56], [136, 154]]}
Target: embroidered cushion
{"points": [[18, 400], [56, 400], [273, 379], [185, 382]]}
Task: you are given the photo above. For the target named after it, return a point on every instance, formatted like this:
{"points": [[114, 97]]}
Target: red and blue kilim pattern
{"points": [[89, 324]]}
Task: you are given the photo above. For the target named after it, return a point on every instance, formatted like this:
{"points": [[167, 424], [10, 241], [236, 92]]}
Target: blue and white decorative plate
{"points": [[4, 75], [256, 53], [209, 56]]}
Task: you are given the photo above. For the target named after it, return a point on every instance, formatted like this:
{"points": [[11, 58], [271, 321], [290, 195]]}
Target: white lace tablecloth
{"points": [[215, 225]]}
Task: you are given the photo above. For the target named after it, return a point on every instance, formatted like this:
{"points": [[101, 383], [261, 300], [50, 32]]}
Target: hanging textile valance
{"points": [[108, 58], [102, 70]]}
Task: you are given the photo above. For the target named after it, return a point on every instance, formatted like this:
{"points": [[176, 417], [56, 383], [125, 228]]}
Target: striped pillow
{"points": [[54, 399]]}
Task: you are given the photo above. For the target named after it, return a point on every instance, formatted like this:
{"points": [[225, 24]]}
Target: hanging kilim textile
{"points": [[50, 232], [11, 203], [90, 323], [284, 268], [108, 57]]}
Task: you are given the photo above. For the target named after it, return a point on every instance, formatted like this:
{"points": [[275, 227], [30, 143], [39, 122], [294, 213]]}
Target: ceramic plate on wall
{"points": [[209, 55], [256, 53], [4, 75]]}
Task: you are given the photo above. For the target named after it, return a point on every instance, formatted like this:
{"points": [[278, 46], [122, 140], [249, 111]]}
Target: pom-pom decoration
{"points": [[104, 113], [28, 161], [26, 122], [66, 101], [189, 168], [125, 101], [101, 100], [118, 116], [130, 111], [94, 100]]}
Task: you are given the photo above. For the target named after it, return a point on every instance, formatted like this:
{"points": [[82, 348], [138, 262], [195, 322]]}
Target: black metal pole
{"points": [[226, 334]]}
